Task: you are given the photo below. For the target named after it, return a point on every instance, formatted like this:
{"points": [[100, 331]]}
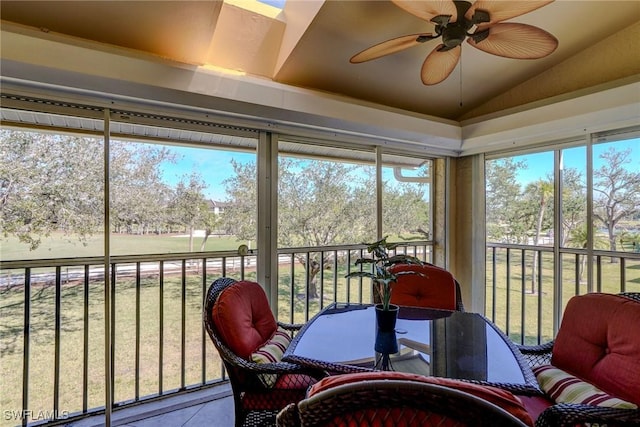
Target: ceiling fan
{"points": [[479, 23]]}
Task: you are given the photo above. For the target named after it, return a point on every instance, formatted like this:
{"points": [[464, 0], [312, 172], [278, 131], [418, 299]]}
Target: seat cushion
{"points": [[435, 288], [271, 352], [563, 387], [535, 405], [243, 318], [502, 398], [599, 342]]}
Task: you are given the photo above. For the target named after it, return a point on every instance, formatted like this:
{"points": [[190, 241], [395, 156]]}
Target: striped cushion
{"points": [[565, 388], [271, 352]]}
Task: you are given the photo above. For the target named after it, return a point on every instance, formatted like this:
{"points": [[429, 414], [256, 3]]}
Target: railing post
{"points": [[26, 344]]}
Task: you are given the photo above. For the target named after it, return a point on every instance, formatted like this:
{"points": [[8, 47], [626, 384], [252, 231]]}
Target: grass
{"points": [[59, 245]]}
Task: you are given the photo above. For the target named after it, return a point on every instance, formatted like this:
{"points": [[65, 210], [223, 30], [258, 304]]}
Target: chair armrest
{"points": [[569, 415], [537, 355], [282, 368], [288, 416], [290, 327]]}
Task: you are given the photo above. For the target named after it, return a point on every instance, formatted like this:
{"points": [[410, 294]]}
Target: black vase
{"points": [[386, 318], [386, 344]]}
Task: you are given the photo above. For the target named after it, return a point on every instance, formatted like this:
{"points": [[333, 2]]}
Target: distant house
{"points": [[217, 207]]}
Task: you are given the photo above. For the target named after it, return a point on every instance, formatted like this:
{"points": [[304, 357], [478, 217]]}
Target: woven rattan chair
{"points": [[394, 402], [570, 415], [255, 404], [433, 288]]}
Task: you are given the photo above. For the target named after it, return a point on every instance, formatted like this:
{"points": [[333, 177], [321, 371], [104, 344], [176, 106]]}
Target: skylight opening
{"points": [[275, 3]]}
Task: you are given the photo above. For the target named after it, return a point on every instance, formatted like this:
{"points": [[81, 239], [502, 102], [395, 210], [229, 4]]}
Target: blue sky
{"points": [[277, 3], [215, 165], [540, 165]]}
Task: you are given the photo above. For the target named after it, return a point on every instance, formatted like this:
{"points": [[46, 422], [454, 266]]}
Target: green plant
{"points": [[381, 275]]}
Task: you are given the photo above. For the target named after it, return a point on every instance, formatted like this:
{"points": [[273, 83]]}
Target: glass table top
{"points": [[344, 338]]}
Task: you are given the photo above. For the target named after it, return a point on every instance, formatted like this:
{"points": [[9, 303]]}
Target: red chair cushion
{"points": [[243, 317], [535, 405], [599, 342], [502, 398], [436, 289]]}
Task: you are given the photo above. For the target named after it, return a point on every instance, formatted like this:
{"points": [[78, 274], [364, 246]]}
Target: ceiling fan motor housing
{"points": [[454, 33], [453, 36]]}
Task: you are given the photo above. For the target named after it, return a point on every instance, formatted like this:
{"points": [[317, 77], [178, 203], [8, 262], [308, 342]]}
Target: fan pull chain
{"points": [[460, 76]]}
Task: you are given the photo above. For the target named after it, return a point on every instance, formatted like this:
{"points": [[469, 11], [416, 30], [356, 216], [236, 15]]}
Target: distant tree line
{"points": [[55, 183]]}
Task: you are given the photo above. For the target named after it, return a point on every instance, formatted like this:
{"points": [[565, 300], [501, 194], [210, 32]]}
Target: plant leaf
{"points": [[361, 274]]}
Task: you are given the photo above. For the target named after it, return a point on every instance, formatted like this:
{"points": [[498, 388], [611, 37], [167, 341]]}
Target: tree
{"points": [[404, 208], [54, 183], [320, 203], [49, 183], [139, 198], [616, 191], [539, 195], [210, 221], [188, 206], [503, 194], [578, 238], [239, 216], [574, 203]]}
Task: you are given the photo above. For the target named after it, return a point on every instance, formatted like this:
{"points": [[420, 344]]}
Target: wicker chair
{"points": [[570, 415], [432, 289], [255, 403], [394, 402]]}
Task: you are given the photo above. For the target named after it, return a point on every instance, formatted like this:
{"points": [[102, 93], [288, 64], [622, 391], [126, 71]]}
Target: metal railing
{"points": [[526, 292], [52, 330]]}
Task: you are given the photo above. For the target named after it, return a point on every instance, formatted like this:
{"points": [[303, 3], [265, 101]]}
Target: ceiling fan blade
{"points": [[500, 10], [439, 64], [390, 46], [427, 10], [519, 41]]}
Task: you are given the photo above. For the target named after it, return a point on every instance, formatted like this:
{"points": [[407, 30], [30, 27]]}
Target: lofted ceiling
{"points": [[308, 44]]}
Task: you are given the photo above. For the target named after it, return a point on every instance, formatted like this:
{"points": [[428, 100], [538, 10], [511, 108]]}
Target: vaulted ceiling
{"points": [[308, 45]]}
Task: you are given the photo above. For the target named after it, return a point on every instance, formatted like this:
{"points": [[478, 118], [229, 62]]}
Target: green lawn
{"points": [[59, 245]]}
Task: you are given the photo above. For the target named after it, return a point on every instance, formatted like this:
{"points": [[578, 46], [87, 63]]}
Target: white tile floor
{"points": [[212, 407]]}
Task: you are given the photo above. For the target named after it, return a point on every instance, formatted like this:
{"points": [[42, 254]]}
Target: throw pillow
{"points": [[566, 388], [271, 352]]}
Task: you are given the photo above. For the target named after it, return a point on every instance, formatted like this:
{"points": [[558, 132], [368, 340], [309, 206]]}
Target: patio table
{"points": [[343, 338]]}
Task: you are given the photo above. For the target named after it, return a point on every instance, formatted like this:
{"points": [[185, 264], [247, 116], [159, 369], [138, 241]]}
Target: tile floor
{"points": [[212, 407]]}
